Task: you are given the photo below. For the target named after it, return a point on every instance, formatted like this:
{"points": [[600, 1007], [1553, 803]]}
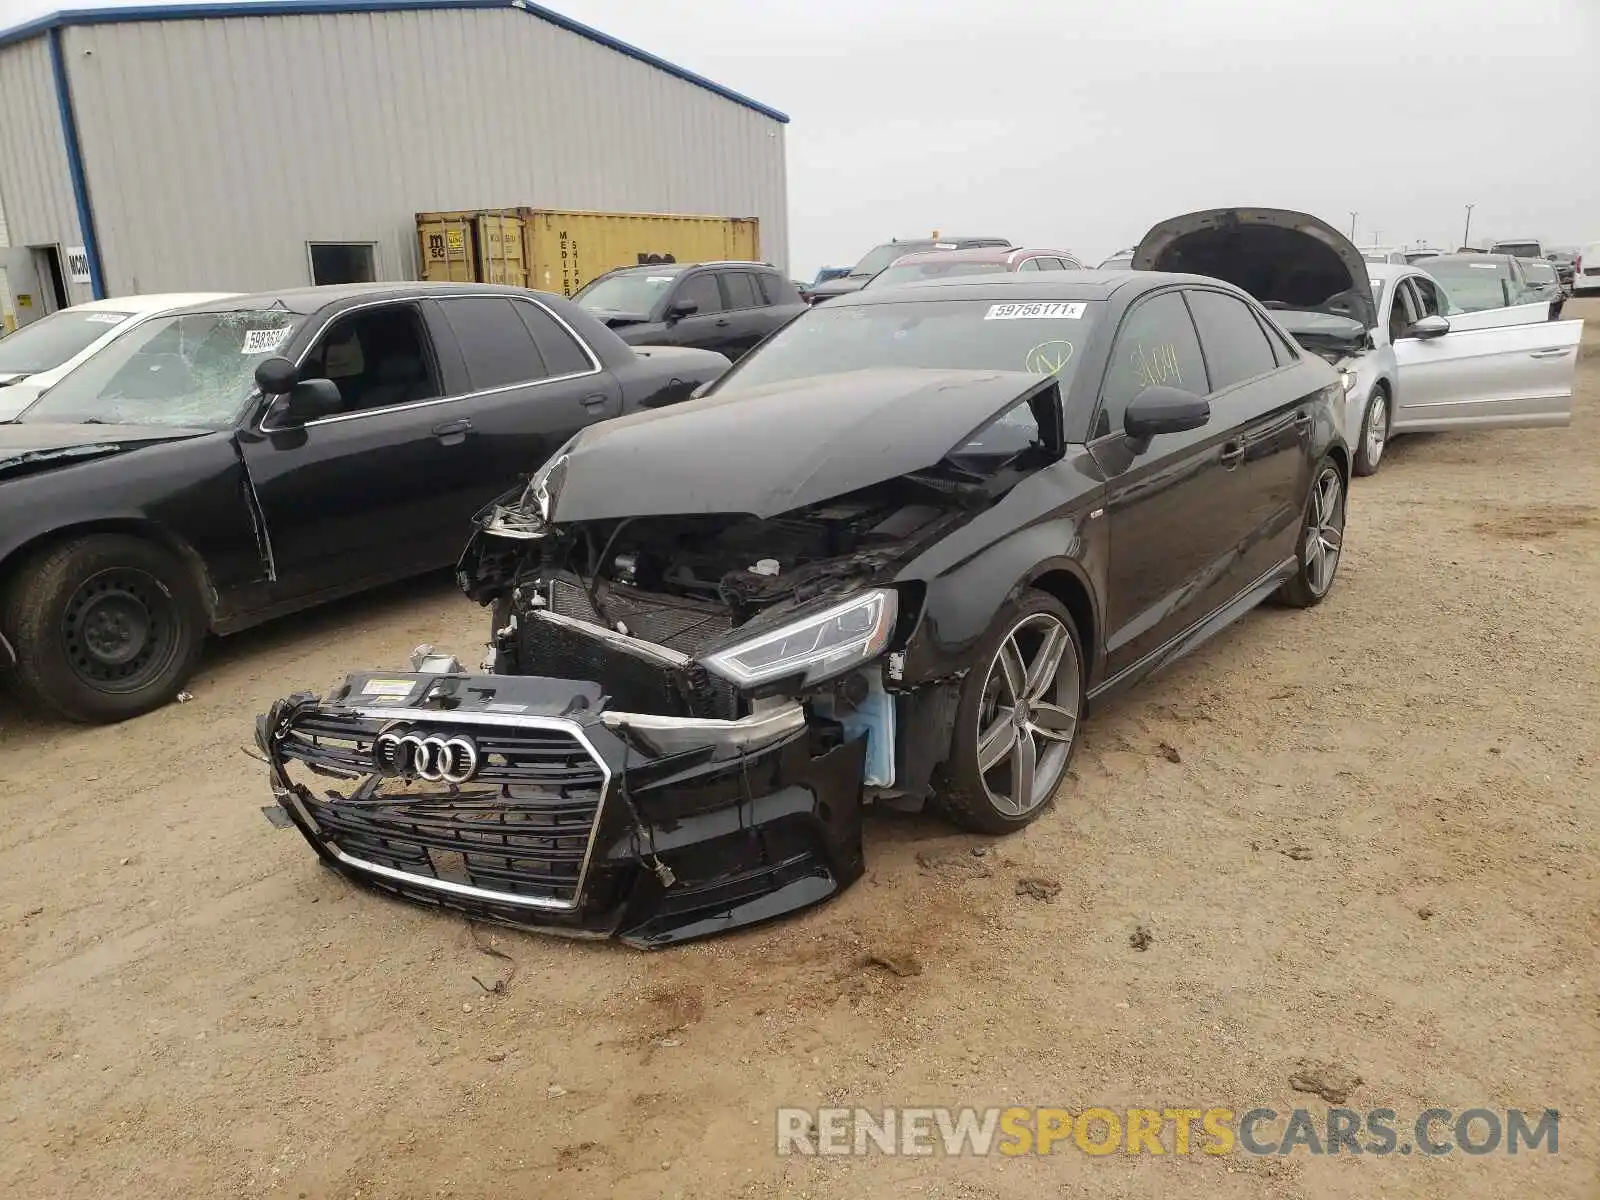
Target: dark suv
{"points": [[723, 306]]}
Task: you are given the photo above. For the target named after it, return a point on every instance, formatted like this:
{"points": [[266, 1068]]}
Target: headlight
{"points": [[815, 646], [1348, 378]]}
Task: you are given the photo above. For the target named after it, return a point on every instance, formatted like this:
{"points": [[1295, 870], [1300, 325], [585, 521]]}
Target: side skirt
{"points": [[1197, 634]]}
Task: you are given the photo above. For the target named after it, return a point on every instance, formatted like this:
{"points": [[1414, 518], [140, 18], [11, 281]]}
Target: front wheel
{"points": [[1321, 541], [1017, 719], [1374, 433], [105, 627]]}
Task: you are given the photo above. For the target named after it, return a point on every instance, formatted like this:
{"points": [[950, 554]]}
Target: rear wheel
{"points": [[1374, 433], [105, 627], [1018, 717], [1321, 542]]}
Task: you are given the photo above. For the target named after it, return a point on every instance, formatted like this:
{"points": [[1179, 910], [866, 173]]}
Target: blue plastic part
{"points": [[874, 718]]}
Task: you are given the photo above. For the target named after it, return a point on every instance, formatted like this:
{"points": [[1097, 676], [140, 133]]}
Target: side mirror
{"points": [[276, 376], [313, 398], [1158, 410], [683, 308], [1429, 327]]}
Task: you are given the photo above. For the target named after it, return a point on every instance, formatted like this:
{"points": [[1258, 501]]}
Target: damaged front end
{"points": [[679, 716], [672, 734]]}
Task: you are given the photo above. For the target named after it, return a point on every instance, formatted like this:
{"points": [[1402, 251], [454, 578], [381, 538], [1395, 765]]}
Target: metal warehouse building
{"points": [[228, 146]]}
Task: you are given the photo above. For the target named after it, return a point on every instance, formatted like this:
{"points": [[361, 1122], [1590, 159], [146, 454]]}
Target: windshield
{"points": [[1042, 338], [50, 341], [1474, 286], [1517, 249], [629, 292], [1376, 256], [912, 272], [880, 257], [191, 371], [1117, 264], [1539, 272]]}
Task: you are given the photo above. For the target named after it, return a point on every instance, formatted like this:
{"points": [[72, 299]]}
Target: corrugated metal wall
{"points": [[34, 180], [256, 135]]}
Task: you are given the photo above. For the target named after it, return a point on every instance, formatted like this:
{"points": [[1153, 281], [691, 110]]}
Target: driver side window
{"points": [[1429, 298], [700, 290], [377, 357], [1156, 346]]}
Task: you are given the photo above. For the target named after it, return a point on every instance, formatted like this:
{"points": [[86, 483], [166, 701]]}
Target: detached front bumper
{"points": [[522, 800]]}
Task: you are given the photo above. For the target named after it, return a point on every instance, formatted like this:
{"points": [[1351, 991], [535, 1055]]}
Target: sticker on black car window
{"points": [[1034, 312]]}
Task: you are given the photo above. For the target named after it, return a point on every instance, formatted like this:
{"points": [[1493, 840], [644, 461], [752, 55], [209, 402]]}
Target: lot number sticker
{"points": [[1034, 312], [263, 341]]}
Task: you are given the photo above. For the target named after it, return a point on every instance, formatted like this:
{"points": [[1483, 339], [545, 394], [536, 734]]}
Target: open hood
{"points": [[1284, 259], [773, 449]]}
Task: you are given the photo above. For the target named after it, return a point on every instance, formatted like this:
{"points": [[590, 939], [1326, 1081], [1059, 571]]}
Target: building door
{"points": [[52, 281]]}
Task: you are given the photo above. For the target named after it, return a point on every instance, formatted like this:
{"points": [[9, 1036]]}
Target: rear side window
{"points": [[497, 346], [739, 289], [561, 352], [776, 289], [1234, 345], [1156, 346]]}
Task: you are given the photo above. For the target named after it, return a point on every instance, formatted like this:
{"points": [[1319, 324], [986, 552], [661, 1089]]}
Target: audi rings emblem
{"points": [[433, 756]]}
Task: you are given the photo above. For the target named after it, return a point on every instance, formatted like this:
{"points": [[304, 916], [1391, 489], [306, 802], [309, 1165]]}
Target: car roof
{"points": [[1026, 286], [306, 300], [152, 302], [994, 254], [1498, 260], [1389, 270]]}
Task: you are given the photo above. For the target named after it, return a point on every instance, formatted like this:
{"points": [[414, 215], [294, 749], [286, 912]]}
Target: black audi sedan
{"points": [[900, 551], [225, 464]]}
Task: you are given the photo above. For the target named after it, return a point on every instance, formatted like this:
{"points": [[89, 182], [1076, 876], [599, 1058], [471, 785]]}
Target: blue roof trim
{"points": [[270, 8]]}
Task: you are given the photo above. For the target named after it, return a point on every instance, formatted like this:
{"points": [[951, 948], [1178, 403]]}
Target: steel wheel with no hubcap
{"points": [[1324, 534], [119, 629], [1029, 714]]}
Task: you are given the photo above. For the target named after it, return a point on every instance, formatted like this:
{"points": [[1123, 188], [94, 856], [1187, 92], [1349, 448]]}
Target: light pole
{"points": [[1466, 233], [1353, 217]]}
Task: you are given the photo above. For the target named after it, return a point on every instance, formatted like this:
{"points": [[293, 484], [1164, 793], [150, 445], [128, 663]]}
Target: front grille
{"points": [[520, 828]]}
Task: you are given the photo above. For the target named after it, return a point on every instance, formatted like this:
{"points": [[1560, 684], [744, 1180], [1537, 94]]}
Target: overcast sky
{"points": [[1078, 123]]}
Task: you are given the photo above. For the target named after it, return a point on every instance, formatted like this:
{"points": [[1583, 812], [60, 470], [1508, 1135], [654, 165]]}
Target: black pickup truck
{"points": [[723, 306]]}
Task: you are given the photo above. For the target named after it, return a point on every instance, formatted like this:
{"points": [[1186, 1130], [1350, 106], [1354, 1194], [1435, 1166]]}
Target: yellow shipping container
{"points": [[557, 251]]}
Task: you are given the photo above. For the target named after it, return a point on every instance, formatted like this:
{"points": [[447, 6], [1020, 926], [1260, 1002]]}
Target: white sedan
{"points": [[1410, 359], [40, 353]]}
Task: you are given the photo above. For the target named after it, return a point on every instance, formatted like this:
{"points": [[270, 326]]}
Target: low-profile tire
{"points": [[1320, 543], [1374, 439], [1032, 645], [105, 627]]}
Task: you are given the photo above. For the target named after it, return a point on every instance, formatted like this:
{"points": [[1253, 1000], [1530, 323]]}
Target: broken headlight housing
{"points": [[816, 646]]}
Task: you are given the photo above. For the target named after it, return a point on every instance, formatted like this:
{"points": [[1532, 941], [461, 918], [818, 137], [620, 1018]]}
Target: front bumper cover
{"points": [[567, 817]]}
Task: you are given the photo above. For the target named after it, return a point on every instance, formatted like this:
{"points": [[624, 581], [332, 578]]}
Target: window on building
{"points": [[343, 262]]}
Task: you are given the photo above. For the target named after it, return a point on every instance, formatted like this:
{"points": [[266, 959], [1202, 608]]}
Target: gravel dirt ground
{"points": [[1365, 834]]}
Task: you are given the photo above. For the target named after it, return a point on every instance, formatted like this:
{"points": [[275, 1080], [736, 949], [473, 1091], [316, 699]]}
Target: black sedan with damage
{"points": [[229, 463], [896, 553]]}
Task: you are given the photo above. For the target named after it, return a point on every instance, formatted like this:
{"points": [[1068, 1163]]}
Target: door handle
{"points": [[594, 401], [452, 433], [1232, 455], [1558, 352], [722, 323]]}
